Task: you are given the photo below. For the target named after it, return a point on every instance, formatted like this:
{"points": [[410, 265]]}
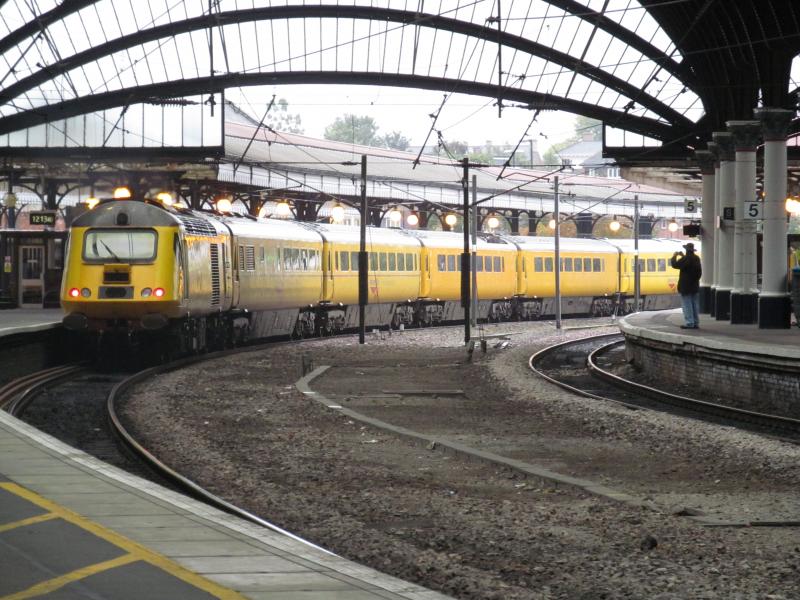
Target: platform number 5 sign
{"points": [[690, 205], [752, 210]]}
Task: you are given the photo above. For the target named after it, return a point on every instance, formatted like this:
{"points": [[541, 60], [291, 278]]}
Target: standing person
{"points": [[689, 284]]}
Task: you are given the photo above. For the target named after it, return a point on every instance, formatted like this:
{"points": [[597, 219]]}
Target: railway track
{"points": [[79, 406], [584, 367]]}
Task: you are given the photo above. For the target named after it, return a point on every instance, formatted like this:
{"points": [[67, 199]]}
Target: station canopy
{"points": [[660, 74]]}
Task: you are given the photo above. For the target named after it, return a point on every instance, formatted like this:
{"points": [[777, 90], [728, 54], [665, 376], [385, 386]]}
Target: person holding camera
{"points": [[688, 284]]}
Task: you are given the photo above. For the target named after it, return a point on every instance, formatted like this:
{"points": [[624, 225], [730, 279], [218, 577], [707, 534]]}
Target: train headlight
{"points": [[74, 293], [86, 292], [158, 292], [146, 292]]}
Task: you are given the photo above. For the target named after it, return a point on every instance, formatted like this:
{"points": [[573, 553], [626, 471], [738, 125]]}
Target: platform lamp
{"points": [[337, 213], [451, 220], [493, 222], [615, 224], [395, 217], [672, 226], [413, 219]]}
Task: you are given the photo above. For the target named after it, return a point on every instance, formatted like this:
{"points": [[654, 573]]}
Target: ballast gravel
{"points": [[465, 527]]}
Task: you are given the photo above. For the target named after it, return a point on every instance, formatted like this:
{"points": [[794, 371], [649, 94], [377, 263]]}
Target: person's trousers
{"points": [[691, 309]]}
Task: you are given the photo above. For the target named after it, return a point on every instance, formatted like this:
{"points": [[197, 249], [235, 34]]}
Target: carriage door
{"points": [[31, 275]]}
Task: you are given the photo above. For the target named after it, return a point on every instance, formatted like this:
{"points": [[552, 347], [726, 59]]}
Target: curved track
{"points": [[576, 366]]}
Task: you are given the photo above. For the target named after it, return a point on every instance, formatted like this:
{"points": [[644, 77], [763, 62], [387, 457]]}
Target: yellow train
{"points": [[208, 280]]}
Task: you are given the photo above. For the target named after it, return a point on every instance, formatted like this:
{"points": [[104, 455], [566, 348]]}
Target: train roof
{"points": [[137, 214], [542, 243], [273, 229], [347, 234], [450, 239], [650, 245]]}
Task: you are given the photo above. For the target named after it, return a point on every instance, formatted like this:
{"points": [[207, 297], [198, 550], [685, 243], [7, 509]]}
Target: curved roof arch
{"points": [[653, 67]]}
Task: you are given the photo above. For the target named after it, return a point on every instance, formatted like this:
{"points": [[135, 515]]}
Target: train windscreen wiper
{"points": [[110, 251]]}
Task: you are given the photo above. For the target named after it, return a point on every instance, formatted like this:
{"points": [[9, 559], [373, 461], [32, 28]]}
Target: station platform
{"points": [[73, 527], [28, 320], [740, 365]]}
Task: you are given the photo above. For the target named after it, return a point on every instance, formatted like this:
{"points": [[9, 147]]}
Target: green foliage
{"points": [[396, 141], [280, 119], [354, 129]]}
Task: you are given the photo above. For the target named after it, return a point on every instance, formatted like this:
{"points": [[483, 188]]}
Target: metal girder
{"points": [[679, 70], [400, 16], [217, 83], [112, 153], [59, 12]]}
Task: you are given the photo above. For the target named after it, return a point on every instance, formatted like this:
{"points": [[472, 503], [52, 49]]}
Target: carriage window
{"points": [[354, 261], [442, 259], [566, 264], [548, 264], [411, 262], [392, 261], [373, 261], [401, 261], [538, 264], [498, 264], [597, 264], [641, 265], [383, 261], [578, 265], [345, 260], [587, 264], [651, 265], [488, 266], [662, 264], [451, 263], [479, 264]]}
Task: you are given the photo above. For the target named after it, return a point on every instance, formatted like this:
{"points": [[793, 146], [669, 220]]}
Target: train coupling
{"points": [[154, 321], [75, 322]]}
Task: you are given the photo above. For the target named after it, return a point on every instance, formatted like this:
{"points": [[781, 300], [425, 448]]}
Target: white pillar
{"points": [[744, 296], [774, 305], [727, 200], [714, 149], [705, 159]]}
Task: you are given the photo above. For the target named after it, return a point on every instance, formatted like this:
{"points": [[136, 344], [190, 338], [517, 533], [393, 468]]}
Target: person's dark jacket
{"points": [[689, 266]]}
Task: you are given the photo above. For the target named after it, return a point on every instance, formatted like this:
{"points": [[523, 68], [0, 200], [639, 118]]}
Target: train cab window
{"points": [[344, 261], [130, 245], [597, 264], [662, 264], [578, 264], [354, 261], [538, 264], [451, 263], [651, 265], [548, 264], [587, 265], [401, 261], [392, 261], [383, 261], [441, 260], [411, 262]]}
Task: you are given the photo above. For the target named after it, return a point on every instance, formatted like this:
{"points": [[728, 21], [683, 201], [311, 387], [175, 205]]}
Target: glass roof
{"points": [[113, 45]]}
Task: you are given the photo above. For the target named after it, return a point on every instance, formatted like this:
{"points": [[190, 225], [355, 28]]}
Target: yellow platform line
{"points": [[52, 585], [134, 550], [29, 521]]}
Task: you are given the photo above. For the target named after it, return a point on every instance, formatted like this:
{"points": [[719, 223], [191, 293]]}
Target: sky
{"points": [[471, 119]]}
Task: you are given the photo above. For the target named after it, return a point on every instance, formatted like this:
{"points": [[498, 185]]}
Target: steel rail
{"points": [[189, 486], [17, 394], [769, 421]]}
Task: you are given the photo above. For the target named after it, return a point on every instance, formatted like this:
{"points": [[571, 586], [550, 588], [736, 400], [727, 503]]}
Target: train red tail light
{"points": [[74, 293], [158, 292]]}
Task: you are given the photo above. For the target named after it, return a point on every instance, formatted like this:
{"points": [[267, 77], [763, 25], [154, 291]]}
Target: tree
{"points": [[353, 129], [280, 119], [396, 141]]}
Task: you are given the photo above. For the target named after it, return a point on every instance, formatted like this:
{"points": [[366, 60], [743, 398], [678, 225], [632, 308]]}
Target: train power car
{"points": [[207, 280]]}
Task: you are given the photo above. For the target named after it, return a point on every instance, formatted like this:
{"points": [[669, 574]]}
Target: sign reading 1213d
{"points": [[42, 218]]}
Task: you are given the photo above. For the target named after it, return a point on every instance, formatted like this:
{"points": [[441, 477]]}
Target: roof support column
{"points": [[707, 234], [744, 296], [774, 305], [714, 149], [727, 201]]}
